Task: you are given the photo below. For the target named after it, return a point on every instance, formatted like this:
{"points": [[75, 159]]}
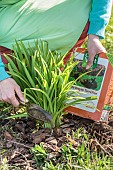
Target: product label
{"points": [[89, 82], [104, 116]]}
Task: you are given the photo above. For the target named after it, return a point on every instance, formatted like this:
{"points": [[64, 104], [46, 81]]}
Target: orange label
{"points": [[94, 83]]}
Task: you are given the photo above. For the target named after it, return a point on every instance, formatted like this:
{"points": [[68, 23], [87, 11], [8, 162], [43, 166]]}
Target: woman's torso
{"points": [[60, 22]]}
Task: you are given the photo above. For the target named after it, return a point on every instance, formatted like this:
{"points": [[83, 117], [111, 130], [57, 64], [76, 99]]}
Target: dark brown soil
{"points": [[17, 136]]}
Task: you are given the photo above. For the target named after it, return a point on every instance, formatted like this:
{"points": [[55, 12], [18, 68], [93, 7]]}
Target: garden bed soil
{"points": [[19, 135]]}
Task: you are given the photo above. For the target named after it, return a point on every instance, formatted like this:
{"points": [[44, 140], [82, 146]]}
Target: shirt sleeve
{"points": [[3, 73], [99, 17]]}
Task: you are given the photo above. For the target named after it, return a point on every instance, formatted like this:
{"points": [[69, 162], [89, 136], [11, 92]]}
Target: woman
{"points": [[60, 22]]}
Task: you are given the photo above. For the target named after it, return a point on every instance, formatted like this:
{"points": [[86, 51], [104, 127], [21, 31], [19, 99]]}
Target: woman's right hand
{"points": [[8, 91]]}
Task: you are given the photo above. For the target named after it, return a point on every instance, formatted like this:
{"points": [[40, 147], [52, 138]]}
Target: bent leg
{"points": [[4, 50], [79, 43]]}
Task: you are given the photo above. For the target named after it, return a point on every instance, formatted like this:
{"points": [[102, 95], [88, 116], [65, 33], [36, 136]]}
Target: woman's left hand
{"points": [[94, 47]]}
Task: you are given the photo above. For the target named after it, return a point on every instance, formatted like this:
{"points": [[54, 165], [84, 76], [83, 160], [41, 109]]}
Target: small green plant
{"points": [[43, 77], [3, 165], [40, 154]]}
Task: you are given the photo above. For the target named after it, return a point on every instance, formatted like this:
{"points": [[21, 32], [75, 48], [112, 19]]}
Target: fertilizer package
{"points": [[98, 81]]}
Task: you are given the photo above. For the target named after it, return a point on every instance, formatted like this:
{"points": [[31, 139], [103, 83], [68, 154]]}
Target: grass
{"points": [[72, 157], [108, 41]]}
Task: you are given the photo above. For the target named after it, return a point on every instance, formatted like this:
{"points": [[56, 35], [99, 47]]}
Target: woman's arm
{"points": [[99, 17], [8, 87], [3, 73]]}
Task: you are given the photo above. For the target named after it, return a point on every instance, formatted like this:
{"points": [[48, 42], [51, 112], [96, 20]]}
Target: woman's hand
{"points": [[94, 47], [8, 89]]}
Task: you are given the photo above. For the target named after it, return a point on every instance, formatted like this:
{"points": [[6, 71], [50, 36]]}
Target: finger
{"points": [[14, 101], [90, 61], [5, 98], [101, 49], [0, 97], [20, 94]]}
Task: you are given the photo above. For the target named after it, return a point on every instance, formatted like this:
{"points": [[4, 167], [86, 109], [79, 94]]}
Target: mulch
{"points": [[18, 136]]}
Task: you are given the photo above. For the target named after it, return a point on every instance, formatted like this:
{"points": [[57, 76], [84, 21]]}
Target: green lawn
{"points": [[108, 41]]}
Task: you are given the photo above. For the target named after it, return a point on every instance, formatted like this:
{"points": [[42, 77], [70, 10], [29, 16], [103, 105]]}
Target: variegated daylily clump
{"points": [[43, 78]]}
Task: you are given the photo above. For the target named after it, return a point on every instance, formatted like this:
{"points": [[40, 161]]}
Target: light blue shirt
{"points": [[3, 73], [99, 17]]}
